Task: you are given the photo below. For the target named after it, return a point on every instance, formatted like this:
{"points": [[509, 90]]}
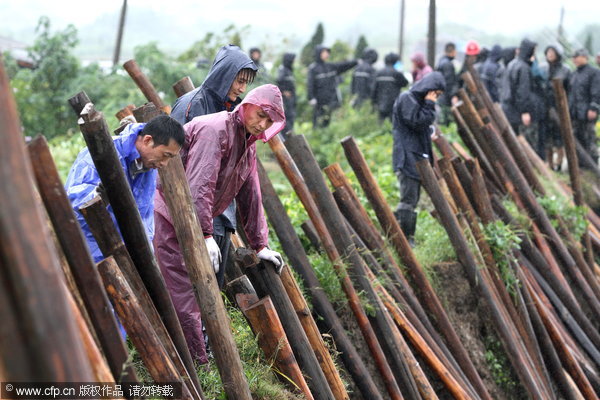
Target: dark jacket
{"points": [[363, 78], [585, 92], [518, 95], [287, 85], [412, 119], [211, 96], [555, 70], [322, 79], [388, 83], [491, 73], [446, 68]]}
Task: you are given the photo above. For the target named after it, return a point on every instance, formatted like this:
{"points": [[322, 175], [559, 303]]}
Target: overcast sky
{"points": [[343, 19]]}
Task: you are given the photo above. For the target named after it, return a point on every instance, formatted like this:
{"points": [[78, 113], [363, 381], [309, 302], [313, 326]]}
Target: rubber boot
{"points": [[408, 223]]}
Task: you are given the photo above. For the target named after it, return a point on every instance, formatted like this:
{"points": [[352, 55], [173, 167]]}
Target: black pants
{"points": [[585, 132], [224, 243], [410, 191], [321, 116]]}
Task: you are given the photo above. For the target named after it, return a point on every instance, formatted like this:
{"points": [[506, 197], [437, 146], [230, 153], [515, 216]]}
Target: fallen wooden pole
{"points": [[34, 297], [82, 266], [102, 150], [144, 338], [272, 340], [296, 180], [392, 230], [531, 380], [311, 233], [110, 244], [214, 315], [299, 261], [302, 155]]}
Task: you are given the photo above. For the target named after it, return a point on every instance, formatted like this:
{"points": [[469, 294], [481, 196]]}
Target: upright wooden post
{"points": [[431, 34], [79, 259], [117, 52], [145, 85], [215, 317], [33, 290], [299, 261]]}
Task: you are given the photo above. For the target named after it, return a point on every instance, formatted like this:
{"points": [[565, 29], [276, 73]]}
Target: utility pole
{"points": [[561, 31], [401, 39], [431, 35], [117, 52]]}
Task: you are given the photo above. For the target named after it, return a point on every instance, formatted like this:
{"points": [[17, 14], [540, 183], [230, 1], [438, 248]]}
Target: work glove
{"points": [[313, 102], [273, 256], [213, 252]]}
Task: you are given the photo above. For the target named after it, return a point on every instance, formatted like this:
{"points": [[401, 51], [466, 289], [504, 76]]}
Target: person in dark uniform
{"points": [[388, 83]]}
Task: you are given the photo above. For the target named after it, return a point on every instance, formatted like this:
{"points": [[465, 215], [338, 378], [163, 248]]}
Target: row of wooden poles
{"points": [[548, 328]]}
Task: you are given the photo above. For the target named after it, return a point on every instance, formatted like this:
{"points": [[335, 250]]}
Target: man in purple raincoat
{"points": [[219, 157]]}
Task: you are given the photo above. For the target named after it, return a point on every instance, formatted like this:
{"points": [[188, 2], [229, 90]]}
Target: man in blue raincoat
{"points": [[142, 148]]}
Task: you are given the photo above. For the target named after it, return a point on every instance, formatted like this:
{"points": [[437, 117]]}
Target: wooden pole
{"points": [[214, 315], [80, 261], [183, 86], [311, 233], [117, 52], [299, 261], [519, 360], [272, 340], [566, 131], [30, 273], [102, 150], [110, 244], [288, 166], [302, 155], [145, 85], [266, 282], [314, 336], [133, 318], [392, 229], [401, 38], [431, 34]]}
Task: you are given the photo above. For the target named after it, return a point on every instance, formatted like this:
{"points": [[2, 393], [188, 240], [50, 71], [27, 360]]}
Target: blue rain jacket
{"points": [[83, 180]]}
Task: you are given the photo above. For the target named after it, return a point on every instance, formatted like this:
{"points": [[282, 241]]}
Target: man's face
{"points": [[156, 156], [598, 59], [324, 55], [452, 53], [580, 60], [256, 121], [551, 55], [238, 87], [255, 56]]}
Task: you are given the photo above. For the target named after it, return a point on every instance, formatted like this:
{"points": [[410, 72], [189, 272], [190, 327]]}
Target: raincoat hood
{"points": [[419, 59], [508, 54], [557, 49], [268, 97], [288, 60], [229, 61], [432, 81], [370, 55], [391, 59], [495, 53], [526, 49], [318, 49]]}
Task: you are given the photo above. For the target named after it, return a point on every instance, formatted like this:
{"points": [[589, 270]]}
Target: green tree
{"points": [[307, 55], [340, 51], [360, 46], [41, 93]]}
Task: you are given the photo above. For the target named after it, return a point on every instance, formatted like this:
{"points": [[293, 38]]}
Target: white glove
{"points": [[273, 256], [213, 252], [313, 102]]}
